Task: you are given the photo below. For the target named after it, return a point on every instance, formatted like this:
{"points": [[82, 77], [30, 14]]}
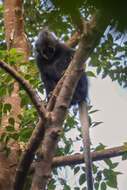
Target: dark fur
{"points": [[52, 60]]}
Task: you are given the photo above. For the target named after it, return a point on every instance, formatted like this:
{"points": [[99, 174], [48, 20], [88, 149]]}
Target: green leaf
{"points": [[14, 136], [125, 144], [96, 185], [4, 53], [3, 91], [1, 106], [90, 74], [24, 100], [99, 176], [10, 128], [99, 69], [7, 139], [27, 77], [110, 177], [82, 179], [114, 165], [11, 120], [94, 111], [2, 136], [7, 107], [84, 188], [103, 186], [108, 162], [25, 134], [112, 183], [20, 117], [124, 156], [100, 147], [76, 170], [67, 187], [8, 78], [13, 51], [94, 169], [76, 188], [10, 88], [96, 123]]}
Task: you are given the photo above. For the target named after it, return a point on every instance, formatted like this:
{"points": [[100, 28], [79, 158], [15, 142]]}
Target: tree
{"points": [[29, 131]]}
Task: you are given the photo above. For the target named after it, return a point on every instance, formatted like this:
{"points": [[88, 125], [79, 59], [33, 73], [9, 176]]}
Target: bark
{"points": [[15, 38], [74, 40]]}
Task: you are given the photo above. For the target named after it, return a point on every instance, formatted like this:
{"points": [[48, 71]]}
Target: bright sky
{"points": [[111, 100]]}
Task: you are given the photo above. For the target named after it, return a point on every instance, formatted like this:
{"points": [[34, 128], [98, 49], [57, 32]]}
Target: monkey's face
{"points": [[46, 50], [45, 45]]}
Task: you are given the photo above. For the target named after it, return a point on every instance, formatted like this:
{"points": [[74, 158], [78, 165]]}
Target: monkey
{"points": [[52, 59]]}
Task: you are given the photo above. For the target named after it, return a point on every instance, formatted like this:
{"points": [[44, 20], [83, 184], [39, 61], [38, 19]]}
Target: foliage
{"points": [[110, 57], [115, 10], [28, 117]]}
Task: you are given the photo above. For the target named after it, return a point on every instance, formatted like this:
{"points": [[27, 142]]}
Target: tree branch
{"points": [[77, 159], [74, 40], [96, 156], [26, 86]]}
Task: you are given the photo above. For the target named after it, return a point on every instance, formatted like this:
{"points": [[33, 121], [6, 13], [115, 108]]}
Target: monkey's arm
{"points": [[49, 84]]}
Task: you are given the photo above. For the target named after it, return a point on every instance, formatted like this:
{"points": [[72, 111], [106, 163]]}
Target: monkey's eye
{"points": [[51, 49], [48, 50]]}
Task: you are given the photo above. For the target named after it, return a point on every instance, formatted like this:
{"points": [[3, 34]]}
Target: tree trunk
{"points": [[15, 38]]}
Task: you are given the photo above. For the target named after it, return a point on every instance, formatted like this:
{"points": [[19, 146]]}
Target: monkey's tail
{"points": [[86, 142]]}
